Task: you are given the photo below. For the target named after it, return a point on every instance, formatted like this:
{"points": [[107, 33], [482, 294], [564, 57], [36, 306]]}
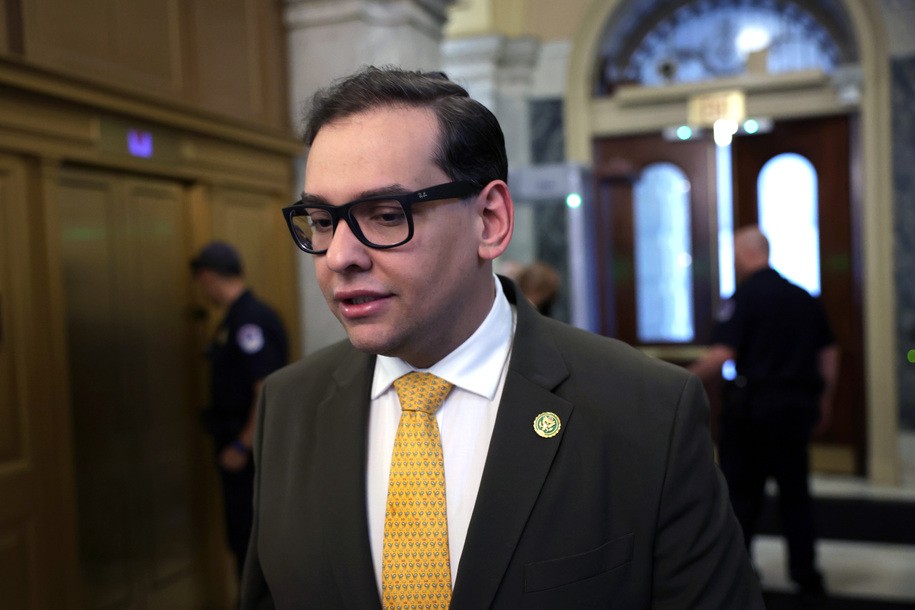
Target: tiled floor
{"points": [[877, 571], [853, 569], [907, 458]]}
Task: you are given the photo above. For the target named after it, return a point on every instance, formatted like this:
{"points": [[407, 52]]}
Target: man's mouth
{"points": [[360, 300]]}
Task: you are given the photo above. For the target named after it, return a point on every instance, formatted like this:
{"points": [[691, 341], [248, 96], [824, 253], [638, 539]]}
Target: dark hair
{"points": [[219, 257], [471, 145]]}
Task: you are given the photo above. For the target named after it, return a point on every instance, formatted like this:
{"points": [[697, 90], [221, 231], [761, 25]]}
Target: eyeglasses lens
{"points": [[381, 222]]}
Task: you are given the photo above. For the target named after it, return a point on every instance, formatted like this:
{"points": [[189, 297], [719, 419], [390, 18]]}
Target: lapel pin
{"points": [[547, 424]]}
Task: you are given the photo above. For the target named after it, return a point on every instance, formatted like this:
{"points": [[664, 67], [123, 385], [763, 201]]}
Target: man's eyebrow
{"points": [[312, 200], [391, 189]]}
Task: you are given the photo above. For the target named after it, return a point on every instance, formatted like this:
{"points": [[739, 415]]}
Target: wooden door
{"points": [[619, 163], [137, 443], [826, 144]]}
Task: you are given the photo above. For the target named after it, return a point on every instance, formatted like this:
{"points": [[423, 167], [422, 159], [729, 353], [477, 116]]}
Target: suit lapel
{"points": [[344, 421], [518, 461]]}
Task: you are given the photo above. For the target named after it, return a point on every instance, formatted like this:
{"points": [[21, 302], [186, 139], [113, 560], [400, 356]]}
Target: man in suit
{"points": [[573, 472]]}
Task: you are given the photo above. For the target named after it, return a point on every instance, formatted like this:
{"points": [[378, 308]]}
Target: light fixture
{"points": [[724, 130]]}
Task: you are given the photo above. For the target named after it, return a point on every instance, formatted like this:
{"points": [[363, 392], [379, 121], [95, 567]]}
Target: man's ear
{"points": [[497, 213]]}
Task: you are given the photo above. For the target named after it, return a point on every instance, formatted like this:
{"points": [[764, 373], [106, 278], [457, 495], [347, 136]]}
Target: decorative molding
{"points": [[53, 88], [428, 16], [54, 127], [633, 95], [647, 109]]}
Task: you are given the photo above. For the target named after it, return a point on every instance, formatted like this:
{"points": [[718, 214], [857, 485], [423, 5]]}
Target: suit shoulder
{"points": [[586, 351], [617, 387], [315, 367]]}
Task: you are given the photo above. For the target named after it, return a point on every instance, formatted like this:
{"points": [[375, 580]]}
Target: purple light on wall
{"points": [[140, 143]]}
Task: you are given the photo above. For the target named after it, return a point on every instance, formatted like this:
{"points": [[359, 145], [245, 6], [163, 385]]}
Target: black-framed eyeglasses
{"points": [[380, 222]]}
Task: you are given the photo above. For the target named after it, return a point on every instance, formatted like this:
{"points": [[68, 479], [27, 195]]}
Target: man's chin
{"points": [[368, 342]]}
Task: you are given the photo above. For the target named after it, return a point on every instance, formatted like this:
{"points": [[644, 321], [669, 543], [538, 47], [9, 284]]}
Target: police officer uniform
{"points": [[249, 344], [776, 330]]}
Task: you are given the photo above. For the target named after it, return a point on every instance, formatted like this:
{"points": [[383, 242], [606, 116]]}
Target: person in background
{"points": [[459, 450], [540, 284], [786, 362], [249, 344], [510, 269]]}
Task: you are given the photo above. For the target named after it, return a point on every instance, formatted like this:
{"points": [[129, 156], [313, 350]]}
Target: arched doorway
{"points": [[645, 110]]}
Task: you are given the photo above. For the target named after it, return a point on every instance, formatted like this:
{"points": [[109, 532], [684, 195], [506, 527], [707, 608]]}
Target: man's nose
{"points": [[346, 251]]}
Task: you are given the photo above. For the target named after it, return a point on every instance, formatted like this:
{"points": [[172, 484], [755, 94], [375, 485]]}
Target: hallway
{"points": [[878, 573]]}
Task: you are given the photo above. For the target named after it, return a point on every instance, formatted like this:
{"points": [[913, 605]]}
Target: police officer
{"points": [[249, 344], [786, 363]]}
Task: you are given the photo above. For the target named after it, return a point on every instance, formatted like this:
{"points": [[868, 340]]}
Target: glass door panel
{"points": [[788, 216], [663, 255]]}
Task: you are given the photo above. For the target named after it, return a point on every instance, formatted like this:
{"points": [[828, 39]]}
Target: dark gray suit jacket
{"points": [[624, 508]]}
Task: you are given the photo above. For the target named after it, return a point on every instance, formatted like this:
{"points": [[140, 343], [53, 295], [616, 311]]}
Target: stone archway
{"points": [[875, 203]]}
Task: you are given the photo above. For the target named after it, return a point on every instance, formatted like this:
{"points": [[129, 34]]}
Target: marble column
{"points": [[327, 39], [498, 71], [899, 21], [903, 100]]}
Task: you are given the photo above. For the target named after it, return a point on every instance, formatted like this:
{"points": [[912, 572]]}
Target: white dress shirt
{"points": [[466, 420]]}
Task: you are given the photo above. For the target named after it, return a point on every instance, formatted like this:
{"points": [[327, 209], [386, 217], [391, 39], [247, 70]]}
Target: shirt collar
{"points": [[475, 365]]}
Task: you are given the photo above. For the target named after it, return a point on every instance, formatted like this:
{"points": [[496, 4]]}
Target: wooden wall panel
{"points": [[23, 561], [12, 390], [147, 39], [15, 560], [135, 44], [224, 57], [4, 25], [11, 399], [17, 485], [272, 66], [224, 34], [238, 58]]}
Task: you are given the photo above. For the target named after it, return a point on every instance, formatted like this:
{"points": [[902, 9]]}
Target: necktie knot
{"points": [[422, 392]]}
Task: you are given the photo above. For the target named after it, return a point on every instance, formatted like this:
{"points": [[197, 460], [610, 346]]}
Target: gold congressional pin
{"points": [[547, 424]]}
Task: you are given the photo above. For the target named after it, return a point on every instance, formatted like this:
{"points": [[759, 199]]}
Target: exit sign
{"points": [[705, 109]]}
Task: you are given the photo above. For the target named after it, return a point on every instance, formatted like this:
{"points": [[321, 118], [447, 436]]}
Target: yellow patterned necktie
{"points": [[416, 567]]}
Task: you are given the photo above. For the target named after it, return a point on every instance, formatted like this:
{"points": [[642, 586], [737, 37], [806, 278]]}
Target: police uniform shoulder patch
{"points": [[250, 338]]}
